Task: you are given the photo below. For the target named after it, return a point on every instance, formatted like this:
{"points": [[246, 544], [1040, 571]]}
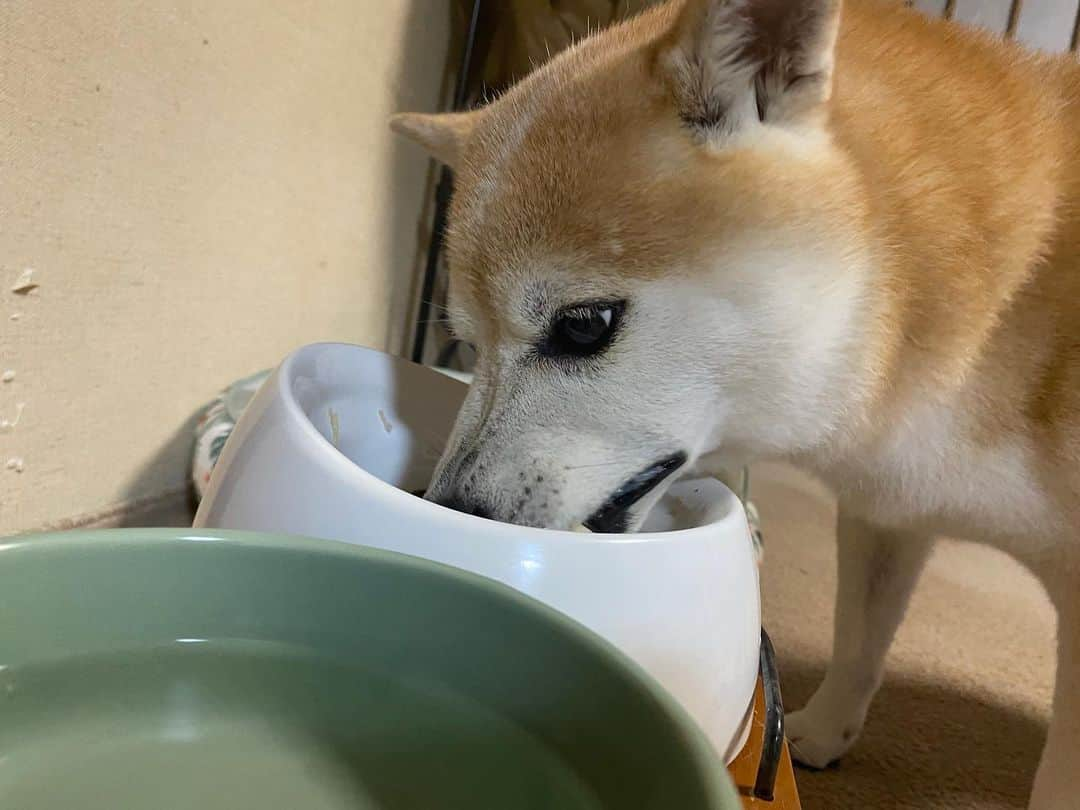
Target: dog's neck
{"points": [[963, 195]]}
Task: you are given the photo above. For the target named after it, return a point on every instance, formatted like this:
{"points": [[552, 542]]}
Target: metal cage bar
{"points": [[442, 197], [1015, 9]]}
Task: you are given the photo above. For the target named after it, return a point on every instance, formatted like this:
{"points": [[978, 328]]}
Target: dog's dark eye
{"points": [[582, 330]]}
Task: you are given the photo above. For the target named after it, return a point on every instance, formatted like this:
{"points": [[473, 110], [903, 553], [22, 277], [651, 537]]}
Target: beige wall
{"points": [[199, 187]]}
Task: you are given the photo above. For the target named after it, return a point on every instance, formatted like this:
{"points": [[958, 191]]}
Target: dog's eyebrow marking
{"points": [[506, 142], [535, 301], [711, 116]]}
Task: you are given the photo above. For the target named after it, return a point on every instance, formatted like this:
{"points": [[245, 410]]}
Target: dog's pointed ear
{"points": [[735, 61], [443, 135]]}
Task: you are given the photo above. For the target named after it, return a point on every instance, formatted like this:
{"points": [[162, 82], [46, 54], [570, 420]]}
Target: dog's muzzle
{"points": [[614, 516]]}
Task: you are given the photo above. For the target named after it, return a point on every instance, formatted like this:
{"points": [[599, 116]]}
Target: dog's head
{"points": [[654, 247]]}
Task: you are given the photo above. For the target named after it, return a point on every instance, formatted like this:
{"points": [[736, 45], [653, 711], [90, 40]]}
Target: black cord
{"points": [[448, 353], [442, 197], [772, 744]]}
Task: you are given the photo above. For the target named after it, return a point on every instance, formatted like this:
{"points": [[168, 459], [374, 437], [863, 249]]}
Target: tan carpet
{"points": [[962, 716]]}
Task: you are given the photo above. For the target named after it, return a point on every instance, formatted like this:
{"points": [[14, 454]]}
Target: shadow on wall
{"points": [[174, 507], [945, 748], [409, 167], [423, 78]]}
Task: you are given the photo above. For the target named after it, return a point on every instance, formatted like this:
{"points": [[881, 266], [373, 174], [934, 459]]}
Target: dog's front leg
{"points": [[1056, 784], [877, 571]]}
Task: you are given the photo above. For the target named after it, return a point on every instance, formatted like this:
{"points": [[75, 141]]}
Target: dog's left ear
{"points": [[734, 62], [444, 135]]}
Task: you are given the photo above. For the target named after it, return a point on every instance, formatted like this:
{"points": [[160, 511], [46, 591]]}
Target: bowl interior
{"points": [[388, 416], [393, 418], [213, 671]]}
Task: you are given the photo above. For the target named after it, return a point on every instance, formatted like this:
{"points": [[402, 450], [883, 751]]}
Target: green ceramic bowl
{"points": [[165, 670]]}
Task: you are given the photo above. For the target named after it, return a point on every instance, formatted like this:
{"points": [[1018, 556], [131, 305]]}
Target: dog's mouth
{"points": [[614, 516]]}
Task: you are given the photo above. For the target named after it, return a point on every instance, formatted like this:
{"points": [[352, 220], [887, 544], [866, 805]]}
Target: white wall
{"points": [[199, 187]]}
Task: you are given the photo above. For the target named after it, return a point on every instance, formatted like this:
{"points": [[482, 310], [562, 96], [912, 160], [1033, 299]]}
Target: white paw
{"points": [[818, 742]]}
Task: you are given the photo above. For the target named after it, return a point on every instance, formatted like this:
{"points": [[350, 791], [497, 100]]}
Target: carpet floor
{"points": [[961, 718]]}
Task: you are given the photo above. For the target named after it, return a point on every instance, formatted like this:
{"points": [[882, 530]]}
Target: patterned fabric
{"points": [[754, 520], [216, 424]]}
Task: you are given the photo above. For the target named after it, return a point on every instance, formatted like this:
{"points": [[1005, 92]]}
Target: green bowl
{"points": [[167, 670]]}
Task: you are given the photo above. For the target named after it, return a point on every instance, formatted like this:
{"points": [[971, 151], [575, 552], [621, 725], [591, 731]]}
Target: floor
{"points": [[962, 716]]}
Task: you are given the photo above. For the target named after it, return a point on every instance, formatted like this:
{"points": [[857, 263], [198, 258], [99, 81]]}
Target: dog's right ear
{"points": [[732, 63], [443, 135]]}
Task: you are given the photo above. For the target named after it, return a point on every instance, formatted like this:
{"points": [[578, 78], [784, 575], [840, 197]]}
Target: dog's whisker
{"points": [[436, 305], [598, 464]]}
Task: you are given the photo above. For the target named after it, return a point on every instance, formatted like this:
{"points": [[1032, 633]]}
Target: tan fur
{"points": [[954, 165], [936, 168], [958, 163], [969, 154]]}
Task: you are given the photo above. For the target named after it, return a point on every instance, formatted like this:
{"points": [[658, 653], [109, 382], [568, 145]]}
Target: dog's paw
{"points": [[818, 742]]}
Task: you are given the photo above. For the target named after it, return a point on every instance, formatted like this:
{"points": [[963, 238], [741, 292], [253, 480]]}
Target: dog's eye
{"points": [[582, 330]]}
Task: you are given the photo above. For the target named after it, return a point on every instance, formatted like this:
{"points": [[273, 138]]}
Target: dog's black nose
{"points": [[461, 504]]}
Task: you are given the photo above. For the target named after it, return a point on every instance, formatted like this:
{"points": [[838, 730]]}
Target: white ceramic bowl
{"points": [[336, 439]]}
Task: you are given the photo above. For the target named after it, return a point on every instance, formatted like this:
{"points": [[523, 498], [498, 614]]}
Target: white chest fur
{"points": [[933, 473]]}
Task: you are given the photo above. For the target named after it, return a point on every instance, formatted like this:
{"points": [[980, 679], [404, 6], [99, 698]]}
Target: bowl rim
{"points": [[704, 757], [286, 372]]}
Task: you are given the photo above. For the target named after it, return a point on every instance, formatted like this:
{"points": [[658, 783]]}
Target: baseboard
{"points": [[171, 509]]}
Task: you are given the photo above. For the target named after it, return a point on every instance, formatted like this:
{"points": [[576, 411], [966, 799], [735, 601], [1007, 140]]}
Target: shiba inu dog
{"points": [[735, 229]]}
